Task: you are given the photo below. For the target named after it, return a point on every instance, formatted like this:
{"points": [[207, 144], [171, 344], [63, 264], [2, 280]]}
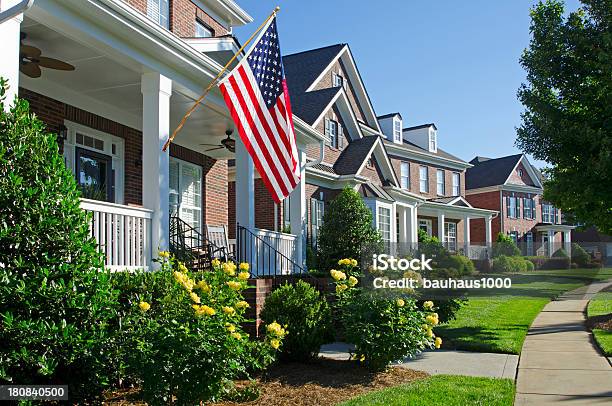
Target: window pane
{"points": [[201, 31], [423, 179], [405, 175], [440, 182]]}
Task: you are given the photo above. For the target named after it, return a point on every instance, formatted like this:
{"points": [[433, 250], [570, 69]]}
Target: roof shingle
{"points": [[490, 172]]}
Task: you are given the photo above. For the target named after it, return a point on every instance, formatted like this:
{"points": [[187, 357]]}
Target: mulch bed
{"points": [[323, 382], [319, 383], [603, 322]]}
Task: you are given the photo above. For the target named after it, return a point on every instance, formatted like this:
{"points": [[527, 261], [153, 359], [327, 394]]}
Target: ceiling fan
{"points": [[30, 60], [228, 143]]}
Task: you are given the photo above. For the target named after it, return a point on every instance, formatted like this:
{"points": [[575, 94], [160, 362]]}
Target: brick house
{"points": [[138, 66], [514, 187], [328, 93]]}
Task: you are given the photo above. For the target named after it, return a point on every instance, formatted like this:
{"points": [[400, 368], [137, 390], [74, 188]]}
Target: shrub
{"points": [[382, 328], [305, 314], [504, 264], [56, 302], [504, 245], [579, 255], [462, 264], [184, 336], [560, 253], [537, 261], [347, 230], [556, 263]]}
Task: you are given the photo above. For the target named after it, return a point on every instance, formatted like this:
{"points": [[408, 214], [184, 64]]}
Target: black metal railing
{"points": [[189, 246], [267, 255]]}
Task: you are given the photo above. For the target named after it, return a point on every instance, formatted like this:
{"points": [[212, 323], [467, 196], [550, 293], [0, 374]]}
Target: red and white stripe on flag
{"points": [[256, 94]]}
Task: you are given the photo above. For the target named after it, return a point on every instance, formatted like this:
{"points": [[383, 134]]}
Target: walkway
{"points": [[559, 362], [445, 362]]}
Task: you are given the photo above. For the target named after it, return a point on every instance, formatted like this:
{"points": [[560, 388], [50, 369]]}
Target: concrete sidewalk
{"points": [[559, 361], [444, 362]]}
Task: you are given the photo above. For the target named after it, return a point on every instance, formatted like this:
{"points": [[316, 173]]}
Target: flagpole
{"points": [[214, 81]]}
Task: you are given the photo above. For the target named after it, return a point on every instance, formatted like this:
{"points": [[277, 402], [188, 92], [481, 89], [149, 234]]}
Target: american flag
{"points": [[256, 94]]}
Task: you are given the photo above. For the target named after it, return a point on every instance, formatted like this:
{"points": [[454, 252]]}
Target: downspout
{"points": [[15, 10]]}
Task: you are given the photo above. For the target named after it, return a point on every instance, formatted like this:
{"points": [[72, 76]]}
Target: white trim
{"points": [[530, 172], [509, 188], [117, 159], [240, 17], [425, 157], [347, 105]]}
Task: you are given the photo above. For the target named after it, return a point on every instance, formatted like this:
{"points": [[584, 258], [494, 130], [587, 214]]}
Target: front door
{"points": [[186, 192]]}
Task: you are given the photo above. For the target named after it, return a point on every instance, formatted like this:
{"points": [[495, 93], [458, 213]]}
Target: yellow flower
{"points": [[230, 327], [438, 342], [432, 319], [196, 307], [337, 275], [234, 285], [203, 286], [164, 254], [229, 268], [182, 267], [341, 288], [188, 284], [344, 261], [194, 297], [352, 281], [428, 305], [429, 332], [144, 306], [353, 262], [242, 305], [400, 302], [244, 266], [201, 310], [274, 343], [237, 336], [362, 358], [229, 310], [275, 329], [215, 263], [243, 276]]}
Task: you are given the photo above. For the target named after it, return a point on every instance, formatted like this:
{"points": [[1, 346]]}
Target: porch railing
{"points": [[123, 233], [268, 252]]}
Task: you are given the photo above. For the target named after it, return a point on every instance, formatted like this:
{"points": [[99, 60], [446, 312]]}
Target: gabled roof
{"points": [[309, 106], [374, 191], [490, 172], [389, 115], [302, 68], [451, 200], [417, 127], [351, 159]]}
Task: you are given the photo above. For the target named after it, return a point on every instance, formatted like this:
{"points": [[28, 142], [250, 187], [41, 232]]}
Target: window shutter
{"points": [[508, 206], [340, 136], [328, 131]]}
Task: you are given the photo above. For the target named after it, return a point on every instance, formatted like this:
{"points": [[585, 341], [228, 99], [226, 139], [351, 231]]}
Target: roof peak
{"points": [[315, 49]]}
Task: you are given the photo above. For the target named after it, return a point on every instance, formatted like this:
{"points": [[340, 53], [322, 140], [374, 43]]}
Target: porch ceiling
{"points": [[108, 84]]}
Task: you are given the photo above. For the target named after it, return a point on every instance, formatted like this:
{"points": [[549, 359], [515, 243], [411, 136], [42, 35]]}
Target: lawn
{"points": [[601, 305], [445, 390], [497, 321]]}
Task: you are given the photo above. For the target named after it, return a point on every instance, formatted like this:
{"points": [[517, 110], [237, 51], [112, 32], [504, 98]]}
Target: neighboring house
{"points": [[369, 154], [139, 65], [599, 245], [514, 187]]}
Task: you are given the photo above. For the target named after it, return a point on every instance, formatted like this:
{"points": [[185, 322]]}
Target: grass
{"points": [[445, 390], [601, 305], [497, 321]]}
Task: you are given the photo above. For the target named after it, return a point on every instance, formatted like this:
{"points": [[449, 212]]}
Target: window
{"points": [[520, 173], [450, 230], [384, 223], [547, 213], [331, 130], [528, 207], [397, 130], [511, 207], [158, 11], [185, 197], [529, 243], [425, 225], [423, 179], [337, 80], [317, 209], [440, 182], [456, 184], [202, 30], [514, 236], [405, 175], [433, 141], [96, 160]]}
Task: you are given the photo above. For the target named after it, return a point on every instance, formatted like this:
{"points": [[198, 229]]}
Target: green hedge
{"points": [[505, 264]]}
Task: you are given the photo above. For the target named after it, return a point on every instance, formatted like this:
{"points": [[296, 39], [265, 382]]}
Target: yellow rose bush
{"points": [[185, 337], [383, 326]]}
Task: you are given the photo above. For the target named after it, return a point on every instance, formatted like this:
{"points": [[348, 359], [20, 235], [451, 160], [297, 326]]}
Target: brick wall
{"points": [[264, 208], [414, 177], [516, 178], [183, 14], [214, 178]]}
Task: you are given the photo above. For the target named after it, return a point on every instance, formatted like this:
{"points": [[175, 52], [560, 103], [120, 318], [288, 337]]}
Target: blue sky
{"points": [[454, 63]]}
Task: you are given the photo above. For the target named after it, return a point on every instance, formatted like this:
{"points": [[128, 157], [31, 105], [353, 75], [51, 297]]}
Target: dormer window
{"points": [[520, 173], [337, 80], [397, 130], [433, 141]]}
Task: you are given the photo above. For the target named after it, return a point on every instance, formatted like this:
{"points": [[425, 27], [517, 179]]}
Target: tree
{"points": [[567, 120], [347, 230], [55, 300]]}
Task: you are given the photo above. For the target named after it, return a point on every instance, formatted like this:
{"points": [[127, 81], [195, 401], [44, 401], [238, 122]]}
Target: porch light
{"points": [[62, 132]]}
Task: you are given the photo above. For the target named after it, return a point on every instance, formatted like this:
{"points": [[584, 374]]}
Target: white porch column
{"points": [[9, 49], [156, 91], [414, 226], [403, 214], [245, 186], [466, 236], [297, 212], [488, 238], [441, 220], [567, 240], [551, 242]]}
